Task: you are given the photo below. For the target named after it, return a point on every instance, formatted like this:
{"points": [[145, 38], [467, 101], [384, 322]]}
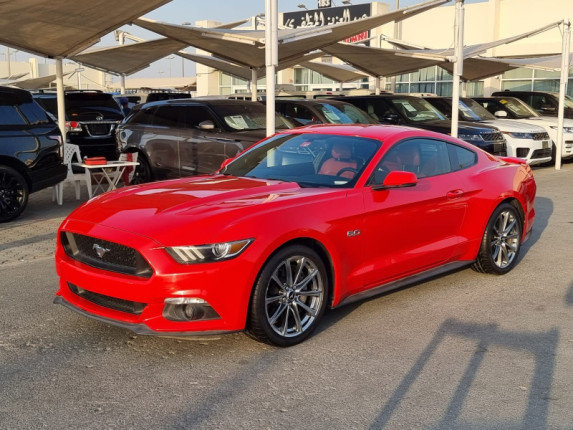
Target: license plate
{"points": [[99, 129]]}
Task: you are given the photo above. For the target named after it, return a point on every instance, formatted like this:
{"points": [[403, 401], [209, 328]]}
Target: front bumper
{"points": [[224, 286]]}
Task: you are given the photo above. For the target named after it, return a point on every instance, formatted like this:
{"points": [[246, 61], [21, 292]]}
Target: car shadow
{"points": [[544, 208]]}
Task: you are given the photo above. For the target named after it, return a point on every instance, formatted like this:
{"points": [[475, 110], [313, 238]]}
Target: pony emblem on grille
{"points": [[100, 250]]}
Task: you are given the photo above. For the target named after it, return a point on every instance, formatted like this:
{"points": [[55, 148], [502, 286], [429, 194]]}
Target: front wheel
{"points": [[501, 241], [289, 297], [13, 194], [142, 173]]}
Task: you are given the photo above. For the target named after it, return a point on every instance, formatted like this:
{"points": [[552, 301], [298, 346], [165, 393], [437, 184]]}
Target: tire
{"points": [[289, 297], [142, 172], [501, 241], [13, 194]]}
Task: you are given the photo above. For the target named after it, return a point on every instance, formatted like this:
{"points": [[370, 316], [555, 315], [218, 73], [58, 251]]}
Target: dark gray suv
{"points": [[30, 151], [175, 138]]}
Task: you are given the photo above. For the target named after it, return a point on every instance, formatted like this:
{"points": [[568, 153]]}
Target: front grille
{"points": [[105, 255], [541, 136], [135, 308], [500, 149], [541, 153], [492, 137], [99, 128]]}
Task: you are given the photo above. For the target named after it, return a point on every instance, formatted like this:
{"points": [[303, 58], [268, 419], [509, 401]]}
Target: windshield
{"points": [[519, 108], [470, 110], [343, 114], [248, 116], [311, 160], [568, 101], [417, 110]]}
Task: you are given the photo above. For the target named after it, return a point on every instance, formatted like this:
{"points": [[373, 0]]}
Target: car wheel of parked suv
{"points": [[142, 172], [13, 194]]}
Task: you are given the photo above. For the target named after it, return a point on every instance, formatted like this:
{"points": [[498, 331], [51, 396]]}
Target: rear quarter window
{"points": [[461, 158]]}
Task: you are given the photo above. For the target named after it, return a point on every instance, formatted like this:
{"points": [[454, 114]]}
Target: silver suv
{"points": [[175, 138]]}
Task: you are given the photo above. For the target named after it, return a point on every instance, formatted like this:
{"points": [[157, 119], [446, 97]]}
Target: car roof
{"points": [[16, 94]]}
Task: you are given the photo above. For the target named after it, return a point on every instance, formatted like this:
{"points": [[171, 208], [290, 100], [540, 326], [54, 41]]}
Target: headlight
{"points": [[519, 135], [565, 129], [208, 253], [470, 137]]}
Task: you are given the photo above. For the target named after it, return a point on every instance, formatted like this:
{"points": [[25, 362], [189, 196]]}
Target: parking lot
{"points": [[463, 351]]}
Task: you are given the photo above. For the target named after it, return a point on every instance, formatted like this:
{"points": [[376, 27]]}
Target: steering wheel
{"points": [[346, 169]]}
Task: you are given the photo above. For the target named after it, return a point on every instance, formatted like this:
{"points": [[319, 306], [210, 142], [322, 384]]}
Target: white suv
{"points": [[513, 108], [529, 142]]}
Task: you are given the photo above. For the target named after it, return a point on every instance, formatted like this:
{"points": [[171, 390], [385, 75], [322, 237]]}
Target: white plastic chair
{"points": [[71, 155]]}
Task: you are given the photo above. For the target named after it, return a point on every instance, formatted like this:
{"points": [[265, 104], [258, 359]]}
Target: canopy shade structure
{"points": [[60, 28], [245, 47], [130, 58], [18, 76], [216, 63], [380, 61], [336, 72], [34, 83]]}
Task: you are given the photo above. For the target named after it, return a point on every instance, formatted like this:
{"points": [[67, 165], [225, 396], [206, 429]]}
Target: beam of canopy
{"points": [[336, 72], [60, 28], [244, 47]]}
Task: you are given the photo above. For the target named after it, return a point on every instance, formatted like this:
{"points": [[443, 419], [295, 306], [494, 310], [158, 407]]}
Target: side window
{"points": [[34, 113], [195, 115], [166, 116], [461, 158], [303, 114], [143, 116], [424, 157], [9, 115]]}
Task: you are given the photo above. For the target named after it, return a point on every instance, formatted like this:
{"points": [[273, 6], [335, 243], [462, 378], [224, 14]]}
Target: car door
{"points": [[161, 140], [203, 149], [416, 228]]}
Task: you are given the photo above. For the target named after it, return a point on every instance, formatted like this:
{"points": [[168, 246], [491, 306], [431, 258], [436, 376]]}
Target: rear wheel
{"points": [[501, 241], [13, 194], [289, 297], [142, 172]]}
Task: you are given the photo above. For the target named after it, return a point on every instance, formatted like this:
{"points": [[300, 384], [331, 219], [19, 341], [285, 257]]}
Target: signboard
{"points": [[324, 3], [326, 16]]}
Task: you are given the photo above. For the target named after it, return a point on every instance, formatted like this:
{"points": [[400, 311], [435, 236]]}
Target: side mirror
{"points": [[397, 179], [224, 164], [206, 125], [500, 114], [391, 118]]}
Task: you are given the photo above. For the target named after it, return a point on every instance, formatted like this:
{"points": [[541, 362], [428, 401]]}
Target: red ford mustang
{"points": [[307, 219]]}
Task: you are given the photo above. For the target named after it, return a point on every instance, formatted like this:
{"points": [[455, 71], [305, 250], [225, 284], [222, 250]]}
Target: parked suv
{"points": [[322, 111], [184, 137], [513, 108], [91, 120], [526, 141], [416, 112], [545, 103], [30, 151]]}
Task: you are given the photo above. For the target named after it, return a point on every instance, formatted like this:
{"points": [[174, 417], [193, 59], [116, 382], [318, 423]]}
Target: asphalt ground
{"points": [[462, 351]]}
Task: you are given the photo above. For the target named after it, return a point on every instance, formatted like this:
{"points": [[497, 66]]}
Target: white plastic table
{"points": [[104, 177]]}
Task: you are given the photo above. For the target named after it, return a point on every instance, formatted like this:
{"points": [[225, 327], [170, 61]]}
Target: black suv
{"points": [[544, 102], [416, 112], [184, 137], [30, 151], [321, 111], [91, 119]]}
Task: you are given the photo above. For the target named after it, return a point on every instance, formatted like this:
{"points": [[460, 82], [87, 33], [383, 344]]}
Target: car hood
{"points": [[514, 126], [197, 209]]}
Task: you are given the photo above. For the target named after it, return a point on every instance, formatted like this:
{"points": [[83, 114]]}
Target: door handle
{"points": [[454, 194]]}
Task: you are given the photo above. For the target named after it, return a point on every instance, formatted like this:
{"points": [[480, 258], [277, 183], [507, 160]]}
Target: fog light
{"points": [[188, 309]]}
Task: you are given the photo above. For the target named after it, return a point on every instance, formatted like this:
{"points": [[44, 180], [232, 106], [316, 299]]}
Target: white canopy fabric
{"points": [[379, 61], [130, 58], [34, 83], [244, 47], [336, 72], [60, 28]]}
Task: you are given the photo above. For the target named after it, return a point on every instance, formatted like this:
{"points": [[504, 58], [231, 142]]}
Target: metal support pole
{"points": [[254, 89], [60, 97], [271, 60], [562, 91], [458, 65]]}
